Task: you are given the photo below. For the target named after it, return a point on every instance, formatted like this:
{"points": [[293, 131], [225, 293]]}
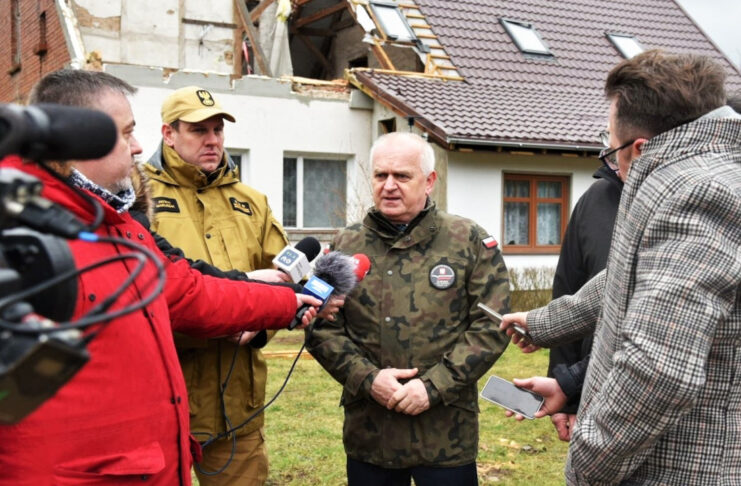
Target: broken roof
{"points": [[511, 98]]}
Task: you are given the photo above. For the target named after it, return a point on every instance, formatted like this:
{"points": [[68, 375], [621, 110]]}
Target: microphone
{"points": [[55, 132], [334, 274], [295, 261]]}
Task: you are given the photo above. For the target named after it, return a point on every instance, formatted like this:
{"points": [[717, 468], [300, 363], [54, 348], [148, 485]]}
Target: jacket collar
{"points": [[423, 227], [167, 166]]}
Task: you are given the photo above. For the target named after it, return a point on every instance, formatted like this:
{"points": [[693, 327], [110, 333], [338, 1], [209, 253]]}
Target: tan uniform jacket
{"points": [[230, 225]]}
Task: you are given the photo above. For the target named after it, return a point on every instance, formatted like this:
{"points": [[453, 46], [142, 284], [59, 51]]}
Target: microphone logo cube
{"points": [[318, 288]]}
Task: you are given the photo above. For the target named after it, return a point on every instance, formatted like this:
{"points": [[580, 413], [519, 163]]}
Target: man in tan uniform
{"points": [[201, 206]]}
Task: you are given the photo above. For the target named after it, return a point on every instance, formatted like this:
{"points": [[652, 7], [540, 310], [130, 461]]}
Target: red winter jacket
{"points": [[123, 418]]}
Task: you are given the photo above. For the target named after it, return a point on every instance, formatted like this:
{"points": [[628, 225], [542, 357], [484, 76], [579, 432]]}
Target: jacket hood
{"points": [[166, 166], [67, 197]]}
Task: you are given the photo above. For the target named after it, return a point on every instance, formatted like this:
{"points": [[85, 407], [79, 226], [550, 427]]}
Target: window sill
{"points": [[520, 250]]}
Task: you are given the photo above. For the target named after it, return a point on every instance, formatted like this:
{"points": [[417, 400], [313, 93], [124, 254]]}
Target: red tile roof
{"points": [[508, 97]]}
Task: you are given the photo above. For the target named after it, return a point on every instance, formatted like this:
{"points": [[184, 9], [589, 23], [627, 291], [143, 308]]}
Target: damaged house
{"points": [[508, 92]]}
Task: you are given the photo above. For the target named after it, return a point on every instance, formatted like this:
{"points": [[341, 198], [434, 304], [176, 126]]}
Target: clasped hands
{"points": [[409, 398]]}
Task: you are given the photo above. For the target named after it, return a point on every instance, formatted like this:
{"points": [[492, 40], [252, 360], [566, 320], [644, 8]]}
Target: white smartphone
{"points": [[497, 318], [506, 394]]}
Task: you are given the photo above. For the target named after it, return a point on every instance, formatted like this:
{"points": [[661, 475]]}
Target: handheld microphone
{"points": [[55, 132], [294, 261], [334, 274]]}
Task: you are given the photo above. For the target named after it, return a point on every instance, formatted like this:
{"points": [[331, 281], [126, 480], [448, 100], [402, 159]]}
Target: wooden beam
{"points": [[244, 17], [381, 55], [320, 14], [323, 32], [257, 11], [300, 3], [317, 53]]}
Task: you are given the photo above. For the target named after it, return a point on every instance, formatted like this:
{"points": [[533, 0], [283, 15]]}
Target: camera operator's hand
{"points": [[269, 275]]}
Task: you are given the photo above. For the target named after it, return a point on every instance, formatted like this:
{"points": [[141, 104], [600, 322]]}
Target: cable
{"points": [[249, 419], [92, 317]]}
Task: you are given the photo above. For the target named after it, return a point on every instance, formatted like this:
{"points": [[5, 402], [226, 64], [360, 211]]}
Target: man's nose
{"points": [[390, 183], [212, 138], [136, 149]]}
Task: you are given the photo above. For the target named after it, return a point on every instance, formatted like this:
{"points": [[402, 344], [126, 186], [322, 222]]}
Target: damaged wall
{"points": [[169, 33]]}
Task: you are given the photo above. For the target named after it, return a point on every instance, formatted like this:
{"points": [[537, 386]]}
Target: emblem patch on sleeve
{"points": [[489, 242], [442, 277], [241, 206], [165, 205]]}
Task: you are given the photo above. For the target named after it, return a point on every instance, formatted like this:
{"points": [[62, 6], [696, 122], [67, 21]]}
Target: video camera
{"points": [[38, 278]]}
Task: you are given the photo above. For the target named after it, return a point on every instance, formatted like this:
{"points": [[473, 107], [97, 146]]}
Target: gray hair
{"points": [[426, 153]]}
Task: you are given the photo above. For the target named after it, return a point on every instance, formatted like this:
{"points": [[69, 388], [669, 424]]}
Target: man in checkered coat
{"points": [[661, 403]]}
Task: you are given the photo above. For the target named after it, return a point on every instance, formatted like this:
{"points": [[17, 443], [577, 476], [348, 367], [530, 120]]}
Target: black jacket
{"points": [[584, 252]]}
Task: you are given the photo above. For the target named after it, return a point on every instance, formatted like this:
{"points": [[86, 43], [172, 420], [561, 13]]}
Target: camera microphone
{"points": [[55, 132]]}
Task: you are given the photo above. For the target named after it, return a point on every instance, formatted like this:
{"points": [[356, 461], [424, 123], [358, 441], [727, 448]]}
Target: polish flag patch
{"points": [[490, 242]]}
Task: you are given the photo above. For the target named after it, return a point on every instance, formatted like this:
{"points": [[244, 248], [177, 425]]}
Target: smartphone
{"points": [[497, 318], [506, 394]]}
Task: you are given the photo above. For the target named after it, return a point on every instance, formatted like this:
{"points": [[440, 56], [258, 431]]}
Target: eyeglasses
{"points": [[608, 156]]}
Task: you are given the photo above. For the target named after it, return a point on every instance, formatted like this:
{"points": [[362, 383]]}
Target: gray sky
{"points": [[721, 20]]}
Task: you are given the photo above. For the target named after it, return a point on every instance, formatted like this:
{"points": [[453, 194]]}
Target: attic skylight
{"points": [[526, 38], [392, 21], [627, 45]]}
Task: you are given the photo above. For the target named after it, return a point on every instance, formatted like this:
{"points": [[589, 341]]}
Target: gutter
{"points": [[531, 145]]}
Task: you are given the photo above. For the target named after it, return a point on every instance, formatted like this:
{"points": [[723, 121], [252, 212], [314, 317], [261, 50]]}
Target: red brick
{"points": [[15, 87]]}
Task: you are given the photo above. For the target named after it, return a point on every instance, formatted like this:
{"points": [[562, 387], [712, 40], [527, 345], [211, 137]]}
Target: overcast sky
{"points": [[721, 20]]}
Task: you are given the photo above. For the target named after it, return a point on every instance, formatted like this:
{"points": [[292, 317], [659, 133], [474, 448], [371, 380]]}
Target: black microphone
{"points": [[55, 132], [294, 261], [334, 274]]}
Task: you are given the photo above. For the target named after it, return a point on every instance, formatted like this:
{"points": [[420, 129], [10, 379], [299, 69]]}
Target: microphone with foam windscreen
{"points": [[334, 274], [294, 261], [55, 132]]}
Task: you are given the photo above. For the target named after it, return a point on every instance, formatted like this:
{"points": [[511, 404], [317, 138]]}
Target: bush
{"points": [[531, 287]]}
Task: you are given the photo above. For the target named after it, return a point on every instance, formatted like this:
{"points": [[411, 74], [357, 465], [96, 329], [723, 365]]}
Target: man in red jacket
{"points": [[123, 418]]}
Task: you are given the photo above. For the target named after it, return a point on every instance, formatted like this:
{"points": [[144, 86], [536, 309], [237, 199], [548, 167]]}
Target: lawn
{"points": [[304, 427]]}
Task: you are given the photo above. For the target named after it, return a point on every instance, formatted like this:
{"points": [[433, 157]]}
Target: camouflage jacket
{"points": [[416, 308]]}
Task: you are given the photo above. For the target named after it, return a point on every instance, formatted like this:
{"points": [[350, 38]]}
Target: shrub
{"points": [[531, 287]]}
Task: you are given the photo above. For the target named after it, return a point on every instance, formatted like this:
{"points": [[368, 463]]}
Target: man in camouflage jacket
{"points": [[411, 343]]}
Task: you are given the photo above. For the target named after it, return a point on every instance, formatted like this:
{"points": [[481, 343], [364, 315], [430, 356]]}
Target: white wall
{"points": [[271, 121], [475, 183]]}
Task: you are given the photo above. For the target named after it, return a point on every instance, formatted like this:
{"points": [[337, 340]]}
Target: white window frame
{"points": [[244, 163], [627, 45], [377, 6], [300, 186], [512, 27]]}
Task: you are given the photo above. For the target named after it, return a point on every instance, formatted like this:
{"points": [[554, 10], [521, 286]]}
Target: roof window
{"points": [[392, 21], [526, 38], [627, 45]]}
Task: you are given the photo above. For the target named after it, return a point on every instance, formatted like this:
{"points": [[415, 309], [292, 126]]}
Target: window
{"points": [[15, 36], [314, 193], [627, 45], [242, 161], [42, 47], [392, 21], [535, 212], [526, 38]]}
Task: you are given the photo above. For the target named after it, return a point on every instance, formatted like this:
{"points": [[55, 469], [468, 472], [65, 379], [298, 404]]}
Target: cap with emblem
{"points": [[192, 104]]}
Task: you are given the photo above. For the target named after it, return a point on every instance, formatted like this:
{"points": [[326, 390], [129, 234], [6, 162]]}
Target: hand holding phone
{"points": [[497, 319], [505, 394]]}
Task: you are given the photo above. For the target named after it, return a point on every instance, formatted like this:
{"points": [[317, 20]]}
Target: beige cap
{"points": [[192, 104]]}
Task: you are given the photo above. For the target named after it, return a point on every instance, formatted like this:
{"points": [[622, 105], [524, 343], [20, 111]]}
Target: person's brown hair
{"points": [[656, 91], [73, 87]]}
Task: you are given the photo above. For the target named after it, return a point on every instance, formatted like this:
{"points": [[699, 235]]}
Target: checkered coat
{"points": [[662, 399]]}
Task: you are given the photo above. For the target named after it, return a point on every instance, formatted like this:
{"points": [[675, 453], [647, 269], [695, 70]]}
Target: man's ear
{"points": [[430, 182], [636, 147], [167, 134]]}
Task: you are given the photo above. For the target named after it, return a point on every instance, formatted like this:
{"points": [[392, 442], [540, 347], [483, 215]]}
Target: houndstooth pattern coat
{"points": [[662, 400]]}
